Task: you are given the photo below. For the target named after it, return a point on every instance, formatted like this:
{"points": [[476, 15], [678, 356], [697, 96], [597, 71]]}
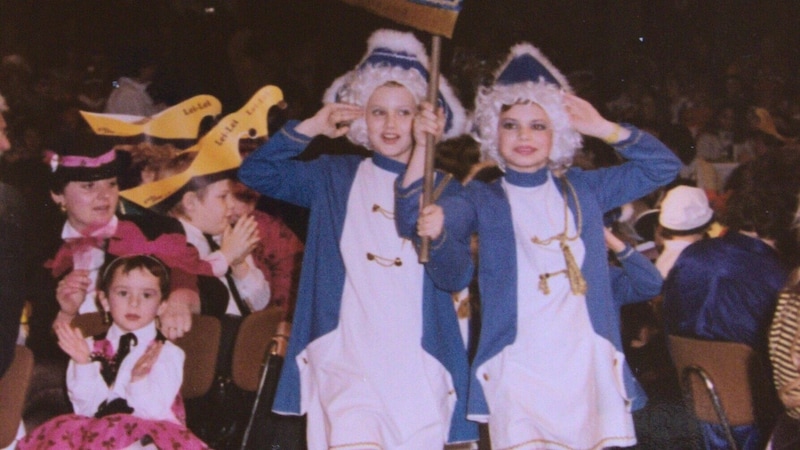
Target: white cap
{"points": [[685, 208]]}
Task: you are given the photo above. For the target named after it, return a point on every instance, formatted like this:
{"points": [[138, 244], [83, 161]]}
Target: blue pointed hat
{"points": [[400, 57], [526, 75], [526, 63]]}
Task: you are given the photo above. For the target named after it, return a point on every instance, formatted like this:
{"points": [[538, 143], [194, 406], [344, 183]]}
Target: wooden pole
{"points": [[430, 154]]}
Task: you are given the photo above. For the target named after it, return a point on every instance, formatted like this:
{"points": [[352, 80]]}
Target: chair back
{"points": [[13, 390], [90, 324], [200, 344], [258, 332], [718, 372]]}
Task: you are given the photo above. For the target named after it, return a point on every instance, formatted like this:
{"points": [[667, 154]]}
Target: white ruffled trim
{"points": [[355, 87]]}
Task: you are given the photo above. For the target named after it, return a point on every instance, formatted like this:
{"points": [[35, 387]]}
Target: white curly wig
{"points": [[544, 89], [393, 56]]}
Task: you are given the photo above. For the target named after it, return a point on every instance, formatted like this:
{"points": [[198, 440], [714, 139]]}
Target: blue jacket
{"points": [[323, 185], [637, 280], [484, 209], [724, 289]]}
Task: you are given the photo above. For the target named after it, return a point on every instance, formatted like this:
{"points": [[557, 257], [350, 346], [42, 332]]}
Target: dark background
{"points": [[301, 45]]}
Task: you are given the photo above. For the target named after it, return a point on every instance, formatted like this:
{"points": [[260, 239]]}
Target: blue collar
{"points": [[389, 164], [526, 179], [751, 244]]}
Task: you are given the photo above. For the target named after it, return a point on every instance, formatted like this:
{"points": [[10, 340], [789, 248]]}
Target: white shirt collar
{"points": [[144, 335], [107, 230]]}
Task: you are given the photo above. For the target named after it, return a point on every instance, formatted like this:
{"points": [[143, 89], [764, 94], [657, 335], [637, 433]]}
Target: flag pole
{"points": [[430, 143]]}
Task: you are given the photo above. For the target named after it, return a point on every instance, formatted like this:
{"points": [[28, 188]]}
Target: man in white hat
{"points": [[685, 217], [725, 288]]}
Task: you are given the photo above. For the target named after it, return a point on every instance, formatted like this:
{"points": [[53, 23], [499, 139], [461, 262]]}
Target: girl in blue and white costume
{"points": [[375, 357], [549, 372]]}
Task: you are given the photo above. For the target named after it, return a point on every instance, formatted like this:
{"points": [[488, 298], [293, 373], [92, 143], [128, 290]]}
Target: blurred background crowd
{"points": [[724, 69]]}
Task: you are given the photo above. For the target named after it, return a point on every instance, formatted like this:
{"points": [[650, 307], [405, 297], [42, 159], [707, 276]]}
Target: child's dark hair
{"points": [[129, 263]]}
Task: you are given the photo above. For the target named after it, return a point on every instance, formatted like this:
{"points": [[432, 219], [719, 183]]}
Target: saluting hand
{"points": [[588, 121], [333, 120]]}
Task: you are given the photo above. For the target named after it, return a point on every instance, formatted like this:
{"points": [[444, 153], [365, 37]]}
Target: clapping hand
{"points": [[71, 340], [239, 240]]}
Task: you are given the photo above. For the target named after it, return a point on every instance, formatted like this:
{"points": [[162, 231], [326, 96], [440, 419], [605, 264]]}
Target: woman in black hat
{"points": [[84, 186]]}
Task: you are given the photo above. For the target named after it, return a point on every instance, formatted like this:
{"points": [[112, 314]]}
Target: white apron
{"points": [[369, 384]]}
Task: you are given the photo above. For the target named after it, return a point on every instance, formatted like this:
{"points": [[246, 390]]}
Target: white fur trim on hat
{"points": [[355, 87], [685, 208], [550, 97]]}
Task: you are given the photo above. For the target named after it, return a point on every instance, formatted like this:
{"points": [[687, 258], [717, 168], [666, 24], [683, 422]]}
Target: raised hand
{"points": [[71, 292], [427, 121], [333, 120], [431, 221], [71, 340], [175, 318], [613, 243], [587, 121], [239, 240]]}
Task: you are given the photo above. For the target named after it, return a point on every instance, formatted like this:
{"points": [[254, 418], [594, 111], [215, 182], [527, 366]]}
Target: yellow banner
{"points": [[434, 16], [181, 121], [217, 151]]}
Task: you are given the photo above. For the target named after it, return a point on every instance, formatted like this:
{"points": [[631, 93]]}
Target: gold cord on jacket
{"points": [[577, 283]]}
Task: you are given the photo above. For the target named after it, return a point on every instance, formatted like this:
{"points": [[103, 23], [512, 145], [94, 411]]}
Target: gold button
{"points": [[305, 361], [486, 376], [451, 392]]}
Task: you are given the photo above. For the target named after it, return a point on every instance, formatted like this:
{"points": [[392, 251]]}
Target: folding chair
{"points": [[13, 389], [257, 359], [201, 345], [719, 380]]}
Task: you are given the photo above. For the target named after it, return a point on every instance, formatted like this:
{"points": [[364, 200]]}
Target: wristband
{"points": [[613, 137]]}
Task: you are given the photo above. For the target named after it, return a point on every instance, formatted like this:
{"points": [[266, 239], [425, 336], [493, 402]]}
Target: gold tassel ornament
{"points": [[577, 283]]}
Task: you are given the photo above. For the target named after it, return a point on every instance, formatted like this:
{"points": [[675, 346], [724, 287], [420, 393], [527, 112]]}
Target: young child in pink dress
{"points": [[124, 385]]}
